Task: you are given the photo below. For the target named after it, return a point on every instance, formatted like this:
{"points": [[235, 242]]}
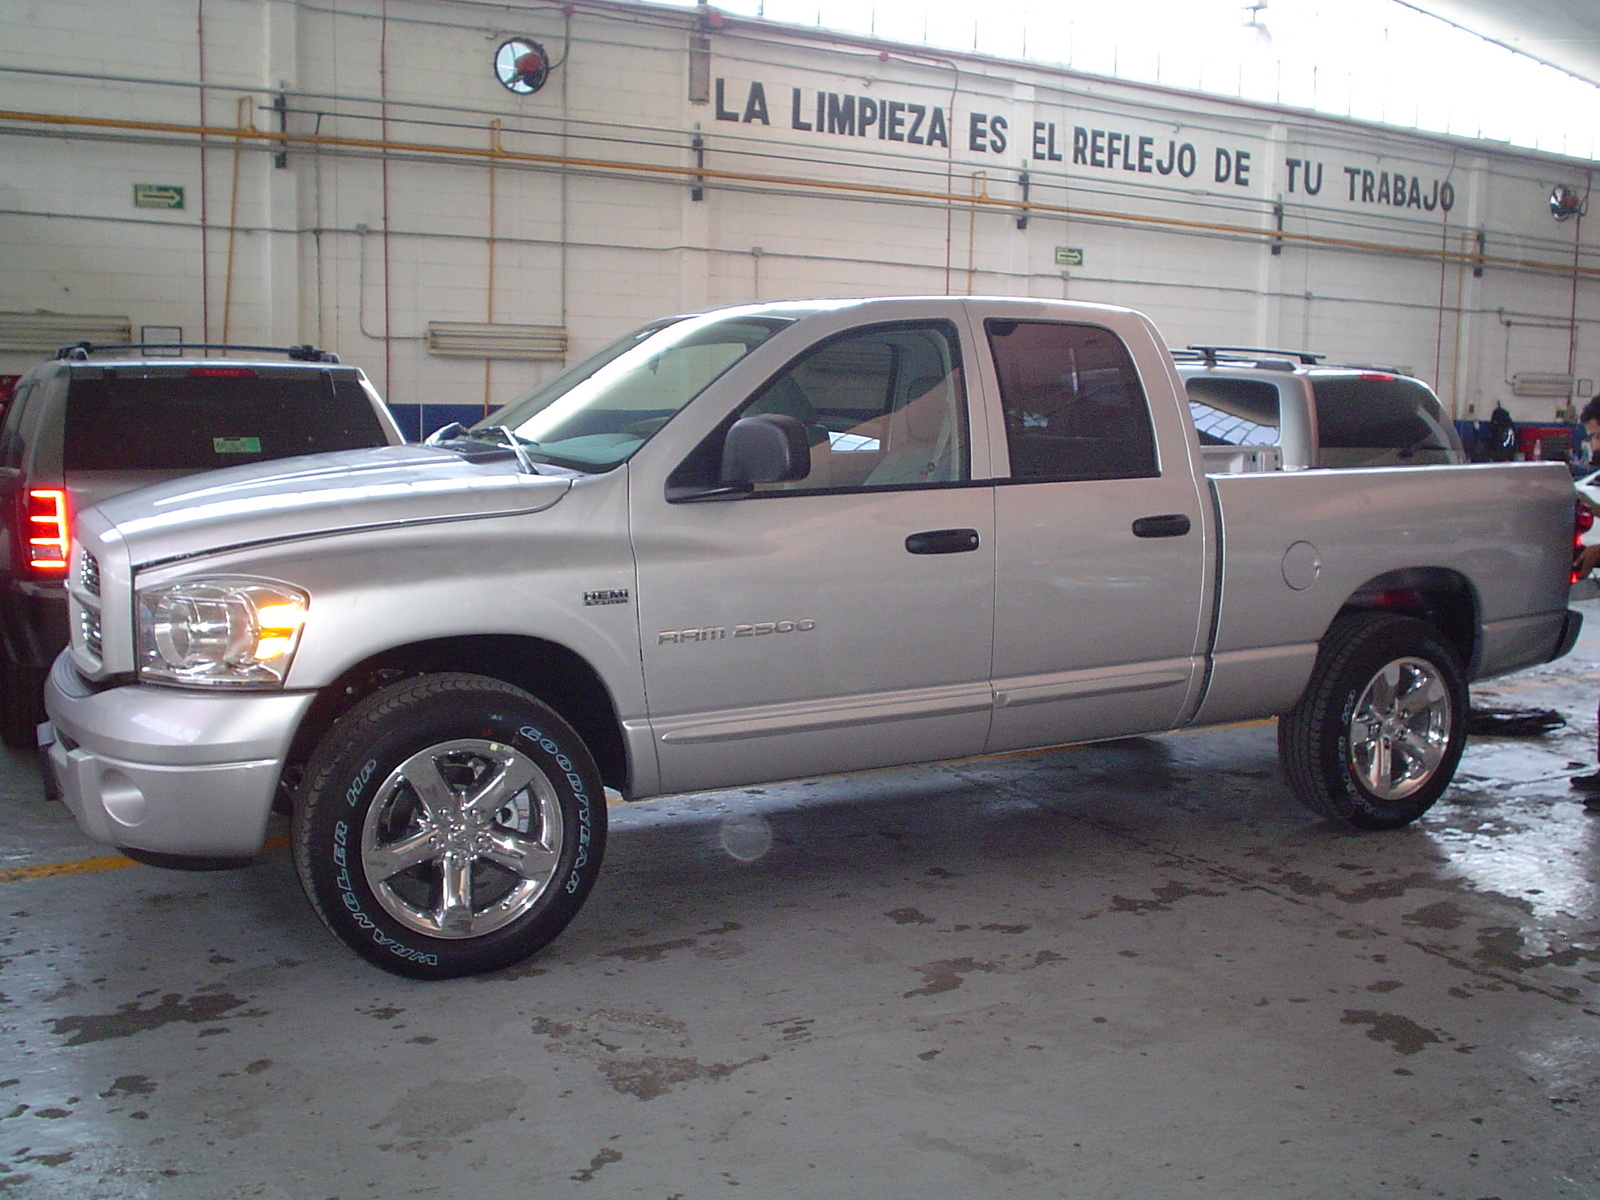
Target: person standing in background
{"points": [[1587, 559]]}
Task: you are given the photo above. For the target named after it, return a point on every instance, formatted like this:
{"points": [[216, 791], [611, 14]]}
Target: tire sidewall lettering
{"points": [[358, 785], [580, 794], [352, 902]]}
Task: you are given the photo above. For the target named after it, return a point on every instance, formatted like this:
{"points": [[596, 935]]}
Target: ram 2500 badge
{"points": [[762, 543]]}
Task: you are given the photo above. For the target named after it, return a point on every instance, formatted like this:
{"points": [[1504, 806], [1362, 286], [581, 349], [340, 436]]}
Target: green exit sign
{"points": [[157, 195], [1069, 256]]}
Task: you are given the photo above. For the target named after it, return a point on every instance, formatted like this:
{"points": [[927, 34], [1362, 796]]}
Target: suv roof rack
{"points": [[1212, 354], [79, 351]]}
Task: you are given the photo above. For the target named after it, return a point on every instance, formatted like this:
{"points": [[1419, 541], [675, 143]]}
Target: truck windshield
{"points": [[595, 415]]}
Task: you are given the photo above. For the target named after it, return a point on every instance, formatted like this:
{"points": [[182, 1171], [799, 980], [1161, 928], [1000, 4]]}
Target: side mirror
{"points": [[444, 433], [769, 448]]}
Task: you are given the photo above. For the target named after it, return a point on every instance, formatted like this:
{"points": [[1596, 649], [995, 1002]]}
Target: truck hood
{"points": [[321, 494]]}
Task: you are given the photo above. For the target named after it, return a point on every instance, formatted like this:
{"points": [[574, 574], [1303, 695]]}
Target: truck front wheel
{"points": [[449, 824], [1376, 736]]}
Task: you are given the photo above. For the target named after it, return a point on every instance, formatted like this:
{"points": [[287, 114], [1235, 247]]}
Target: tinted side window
{"points": [[13, 446], [195, 422], [882, 407], [1073, 403], [1234, 412]]}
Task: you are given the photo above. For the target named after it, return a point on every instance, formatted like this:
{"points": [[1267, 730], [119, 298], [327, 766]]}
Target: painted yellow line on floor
{"points": [[83, 866]]}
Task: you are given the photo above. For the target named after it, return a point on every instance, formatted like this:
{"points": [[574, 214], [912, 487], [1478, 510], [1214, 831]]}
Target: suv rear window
{"points": [[1382, 412], [192, 422]]}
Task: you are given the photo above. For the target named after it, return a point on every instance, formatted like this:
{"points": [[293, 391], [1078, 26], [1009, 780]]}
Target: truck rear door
{"points": [[1101, 561]]}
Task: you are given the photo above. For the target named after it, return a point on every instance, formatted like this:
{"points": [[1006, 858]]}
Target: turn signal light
{"points": [[48, 530]]}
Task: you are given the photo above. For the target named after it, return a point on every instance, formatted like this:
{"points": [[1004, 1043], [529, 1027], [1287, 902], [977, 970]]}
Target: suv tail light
{"points": [[49, 532], [1582, 522]]}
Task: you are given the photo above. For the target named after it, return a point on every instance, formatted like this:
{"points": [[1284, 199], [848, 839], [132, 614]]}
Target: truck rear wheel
{"points": [[1376, 736], [449, 824]]}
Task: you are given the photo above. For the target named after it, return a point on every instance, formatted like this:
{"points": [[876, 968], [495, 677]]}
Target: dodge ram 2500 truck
{"points": [[762, 543]]}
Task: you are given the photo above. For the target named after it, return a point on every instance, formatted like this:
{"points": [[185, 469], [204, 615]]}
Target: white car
{"points": [[1589, 491]]}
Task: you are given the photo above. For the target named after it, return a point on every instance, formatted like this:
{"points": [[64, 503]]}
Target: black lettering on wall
{"points": [[794, 113], [1233, 166], [1044, 142], [918, 112], [724, 113], [867, 112], [841, 114], [755, 105]]}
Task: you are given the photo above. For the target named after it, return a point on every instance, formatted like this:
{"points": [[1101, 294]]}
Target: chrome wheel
{"points": [[462, 838], [1401, 728]]}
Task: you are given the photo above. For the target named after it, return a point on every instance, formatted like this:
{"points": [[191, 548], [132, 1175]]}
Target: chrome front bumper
{"points": [[166, 774]]}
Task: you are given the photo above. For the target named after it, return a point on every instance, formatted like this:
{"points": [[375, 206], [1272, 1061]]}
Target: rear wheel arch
{"points": [[1443, 598]]}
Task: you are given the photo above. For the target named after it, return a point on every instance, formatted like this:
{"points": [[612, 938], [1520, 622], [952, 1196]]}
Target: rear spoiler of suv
{"points": [[82, 350]]}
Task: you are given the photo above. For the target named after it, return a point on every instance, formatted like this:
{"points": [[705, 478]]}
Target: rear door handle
{"points": [[943, 541], [1166, 525]]}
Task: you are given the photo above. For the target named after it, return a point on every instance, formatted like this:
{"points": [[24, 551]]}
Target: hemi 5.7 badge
{"points": [[606, 596]]}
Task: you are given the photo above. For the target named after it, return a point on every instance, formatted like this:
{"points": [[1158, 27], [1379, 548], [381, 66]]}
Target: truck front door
{"points": [[835, 622]]}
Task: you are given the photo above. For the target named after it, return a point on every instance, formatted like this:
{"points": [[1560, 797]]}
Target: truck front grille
{"points": [[89, 622], [88, 572]]}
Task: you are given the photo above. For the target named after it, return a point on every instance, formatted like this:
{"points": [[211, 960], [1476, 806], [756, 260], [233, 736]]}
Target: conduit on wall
{"points": [[279, 142]]}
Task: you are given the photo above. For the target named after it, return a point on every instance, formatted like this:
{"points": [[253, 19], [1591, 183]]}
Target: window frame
{"points": [[689, 476], [1132, 380]]}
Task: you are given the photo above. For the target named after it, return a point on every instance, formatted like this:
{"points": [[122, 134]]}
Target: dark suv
{"points": [[99, 420], [1290, 406]]}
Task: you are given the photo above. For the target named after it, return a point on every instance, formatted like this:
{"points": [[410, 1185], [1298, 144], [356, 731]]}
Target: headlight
{"points": [[220, 632]]}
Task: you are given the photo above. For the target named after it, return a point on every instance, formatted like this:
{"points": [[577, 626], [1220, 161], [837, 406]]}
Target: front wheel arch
{"points": [[554, 674]]}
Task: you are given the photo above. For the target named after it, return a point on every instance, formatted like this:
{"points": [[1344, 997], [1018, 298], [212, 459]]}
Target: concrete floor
{"points": [[1130, 970]]}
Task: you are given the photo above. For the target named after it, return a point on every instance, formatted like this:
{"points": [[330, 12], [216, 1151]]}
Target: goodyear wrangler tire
{"points": [[1376, 736], [449, 824]]}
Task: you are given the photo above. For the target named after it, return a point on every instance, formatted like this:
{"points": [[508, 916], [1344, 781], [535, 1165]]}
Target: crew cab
{"points": [[761, 543], [98, 420]]}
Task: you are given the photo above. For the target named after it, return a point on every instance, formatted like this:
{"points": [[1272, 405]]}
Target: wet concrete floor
{"points": [[1130, 970]]}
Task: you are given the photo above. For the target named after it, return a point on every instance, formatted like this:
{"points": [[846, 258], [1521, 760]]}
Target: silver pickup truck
{"points": [[762, 543]]}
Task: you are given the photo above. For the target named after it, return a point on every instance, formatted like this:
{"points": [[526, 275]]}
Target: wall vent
{"points": [[1528, 383], [482, 340], [46, 332]]}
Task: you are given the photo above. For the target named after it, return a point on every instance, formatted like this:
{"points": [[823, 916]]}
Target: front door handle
{"points": [[943, 541], [1166, 525]]}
